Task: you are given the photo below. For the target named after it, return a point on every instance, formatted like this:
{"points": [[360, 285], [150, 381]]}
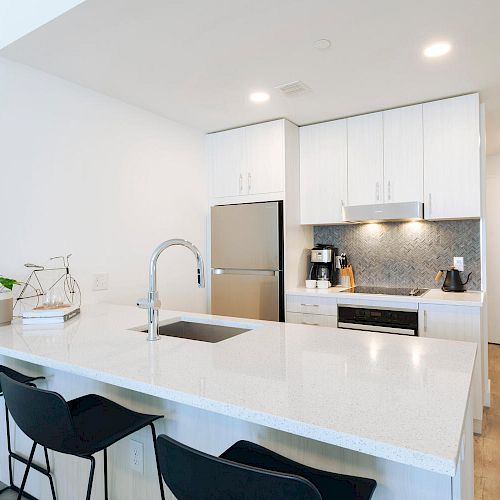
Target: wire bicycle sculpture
{"points": [[27, 294]]}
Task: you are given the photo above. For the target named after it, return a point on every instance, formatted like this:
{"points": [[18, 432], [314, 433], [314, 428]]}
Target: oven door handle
{"points": [[375, 328]]}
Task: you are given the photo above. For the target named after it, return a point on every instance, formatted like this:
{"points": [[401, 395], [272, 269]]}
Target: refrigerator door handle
{"points": [[257, 272]]}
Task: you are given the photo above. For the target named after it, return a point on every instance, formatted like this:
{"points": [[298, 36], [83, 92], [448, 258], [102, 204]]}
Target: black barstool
{"points": [[23, 379], [248, 471], [80, 427]]}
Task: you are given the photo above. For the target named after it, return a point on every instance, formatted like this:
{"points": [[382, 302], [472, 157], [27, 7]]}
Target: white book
{"points": [[47, 319], [44, 312]]}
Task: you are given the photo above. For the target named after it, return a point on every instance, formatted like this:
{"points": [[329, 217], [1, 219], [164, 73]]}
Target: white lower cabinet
{"points": [[315, 311], [457, 323], [311, 319]]}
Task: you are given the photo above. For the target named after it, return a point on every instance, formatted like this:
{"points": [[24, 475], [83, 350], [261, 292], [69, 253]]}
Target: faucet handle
{"points": [[152, 302], [143, 303]]}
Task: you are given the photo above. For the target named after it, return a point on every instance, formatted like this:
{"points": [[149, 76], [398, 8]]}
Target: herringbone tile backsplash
{"points": [[406, 254]]}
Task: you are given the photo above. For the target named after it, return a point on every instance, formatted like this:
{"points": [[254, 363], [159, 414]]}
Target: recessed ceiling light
{"points": [[259, 96], [322, 44], [437, 49]]}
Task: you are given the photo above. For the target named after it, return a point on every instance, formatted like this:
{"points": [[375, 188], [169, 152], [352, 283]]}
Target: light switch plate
{"points": [[458, 263], [100, 282]]}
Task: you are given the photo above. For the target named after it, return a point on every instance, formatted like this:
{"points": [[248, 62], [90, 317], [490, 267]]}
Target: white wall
{"points": [[87, 174], [19, 17], [493, 245]]}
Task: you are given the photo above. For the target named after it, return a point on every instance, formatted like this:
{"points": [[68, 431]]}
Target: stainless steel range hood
{"points": [[413, 210]]}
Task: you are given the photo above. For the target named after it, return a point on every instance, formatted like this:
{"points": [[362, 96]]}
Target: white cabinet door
{"points": [[323, 172], [226, 152], [265, 146], [452, 158], [456, 323], [403, 155], [365, 153], [311, 319]]}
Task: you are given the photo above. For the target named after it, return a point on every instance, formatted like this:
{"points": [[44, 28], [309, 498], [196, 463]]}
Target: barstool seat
{"points": [[80, 427], [249, 471], [17, 376], [100, 422], [330, 484]]}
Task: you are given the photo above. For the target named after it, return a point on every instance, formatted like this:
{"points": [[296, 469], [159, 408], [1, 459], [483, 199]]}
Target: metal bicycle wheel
{"points": [[26, 298], [72, 291]]}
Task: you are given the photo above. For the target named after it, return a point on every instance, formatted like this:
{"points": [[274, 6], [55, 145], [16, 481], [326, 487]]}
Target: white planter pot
{"points": [[6, 304]]}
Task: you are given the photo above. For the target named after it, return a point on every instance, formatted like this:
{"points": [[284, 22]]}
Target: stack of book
{"points": [[50, 315]]}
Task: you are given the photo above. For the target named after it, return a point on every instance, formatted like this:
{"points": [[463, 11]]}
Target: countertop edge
{"points": [[335, 293]]}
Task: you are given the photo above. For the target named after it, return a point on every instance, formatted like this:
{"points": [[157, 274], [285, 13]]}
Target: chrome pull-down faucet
{"points": [[152, 302]]}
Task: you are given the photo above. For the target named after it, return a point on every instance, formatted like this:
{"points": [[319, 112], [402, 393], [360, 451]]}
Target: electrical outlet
{"points": [[458, 263], [136, 456], [101, 281]]}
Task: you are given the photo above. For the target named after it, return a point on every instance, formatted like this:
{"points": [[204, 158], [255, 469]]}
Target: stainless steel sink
{"points": [[202, 332]]}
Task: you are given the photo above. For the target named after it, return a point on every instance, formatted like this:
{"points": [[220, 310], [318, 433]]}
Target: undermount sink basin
{"points": [[202, 332]]}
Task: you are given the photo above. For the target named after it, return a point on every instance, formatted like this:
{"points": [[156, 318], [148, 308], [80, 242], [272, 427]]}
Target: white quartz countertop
{"points": [[394, 397], [433, 296]]}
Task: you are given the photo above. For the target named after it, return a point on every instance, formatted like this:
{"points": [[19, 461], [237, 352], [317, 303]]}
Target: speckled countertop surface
{"points": [[399, 398]]}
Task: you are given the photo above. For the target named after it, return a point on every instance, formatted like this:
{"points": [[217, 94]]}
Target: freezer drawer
{"points": [[247, 236], [247, 295]]}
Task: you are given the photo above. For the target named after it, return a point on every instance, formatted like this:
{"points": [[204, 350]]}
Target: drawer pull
{"points": [[310, 324], [310, 305]]}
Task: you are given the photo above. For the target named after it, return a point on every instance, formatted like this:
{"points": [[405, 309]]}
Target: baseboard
{"points": [[477, 426], [487, 395]]}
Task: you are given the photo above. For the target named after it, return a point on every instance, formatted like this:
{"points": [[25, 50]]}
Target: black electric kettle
{"points": [[452, 281]]}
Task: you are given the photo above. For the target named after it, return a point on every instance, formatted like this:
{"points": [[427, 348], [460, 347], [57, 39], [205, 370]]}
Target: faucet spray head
{"points": [[200, 271]]}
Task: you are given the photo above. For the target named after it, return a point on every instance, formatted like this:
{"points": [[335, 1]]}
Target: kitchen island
{"points": [[392, 408]]}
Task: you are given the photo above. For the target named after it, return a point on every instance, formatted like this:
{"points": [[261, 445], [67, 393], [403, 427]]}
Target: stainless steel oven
{"points": [[378, 319]]}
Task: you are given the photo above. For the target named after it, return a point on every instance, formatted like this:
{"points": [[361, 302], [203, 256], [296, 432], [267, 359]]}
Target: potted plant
{"points": [[6, 299]]}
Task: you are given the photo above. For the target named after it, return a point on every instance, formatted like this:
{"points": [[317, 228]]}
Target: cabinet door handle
{"points": [[377, 191], [389, 190], [429, 209], [241, 183], [425, 321], [249, 180], [310, 305]]}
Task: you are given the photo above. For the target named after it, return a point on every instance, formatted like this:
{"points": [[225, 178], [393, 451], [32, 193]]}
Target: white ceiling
{"points": [[197, 61]]}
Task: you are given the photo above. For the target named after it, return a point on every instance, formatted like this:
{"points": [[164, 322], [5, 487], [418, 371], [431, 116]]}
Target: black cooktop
{"points": [[383, 290]]}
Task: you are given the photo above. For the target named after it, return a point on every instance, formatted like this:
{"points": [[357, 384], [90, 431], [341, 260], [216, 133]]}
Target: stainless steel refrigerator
{"points": [[247, 260]]}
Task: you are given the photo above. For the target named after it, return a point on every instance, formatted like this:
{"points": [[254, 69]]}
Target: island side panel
{"points": [[207, 431]]}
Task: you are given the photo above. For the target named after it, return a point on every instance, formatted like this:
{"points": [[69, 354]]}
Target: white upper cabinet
{"points": [[265, 144], [452, 158], [323, 172], [403, 155], [247, 161], [226, 151], [365, 152]]}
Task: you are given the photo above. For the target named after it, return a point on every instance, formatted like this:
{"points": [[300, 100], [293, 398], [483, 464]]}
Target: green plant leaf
{"points": [[7, 282]]}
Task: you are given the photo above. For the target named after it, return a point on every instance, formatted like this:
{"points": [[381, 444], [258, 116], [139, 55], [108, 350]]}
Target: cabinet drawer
{"points": [[311, 319], [311, 305]]}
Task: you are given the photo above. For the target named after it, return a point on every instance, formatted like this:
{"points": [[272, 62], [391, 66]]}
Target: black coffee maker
{"points": [[452, 281], [323, 264]]}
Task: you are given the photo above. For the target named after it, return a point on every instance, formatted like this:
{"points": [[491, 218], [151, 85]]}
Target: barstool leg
{"points": [[26, 472], [105, 474], [91, 476], [7, 427], [52, 487], [160, 479]]}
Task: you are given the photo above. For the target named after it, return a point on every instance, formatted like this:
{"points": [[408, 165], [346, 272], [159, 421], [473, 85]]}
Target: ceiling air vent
{"points": [[293, 89]]}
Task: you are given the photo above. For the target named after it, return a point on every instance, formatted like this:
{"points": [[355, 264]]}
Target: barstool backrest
{"points": [[190, 474], [42, 415]]}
